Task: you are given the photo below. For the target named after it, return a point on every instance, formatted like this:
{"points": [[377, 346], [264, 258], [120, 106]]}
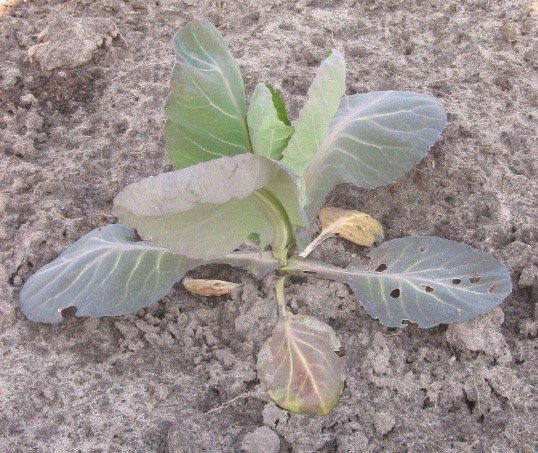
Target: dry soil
{"points": [[83, 84]]}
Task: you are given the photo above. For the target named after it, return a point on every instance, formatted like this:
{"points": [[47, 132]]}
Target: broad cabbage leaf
{"points": [[374, 139], [426, 280], [107, 272], [299, 365], [207, 210]]}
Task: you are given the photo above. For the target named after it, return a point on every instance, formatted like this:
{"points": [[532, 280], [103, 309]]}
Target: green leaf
{"points": [[279, 105], [207, 210], [374, 139], [205, 112], [107, 272], [299, 367], [268, 123], [426, 280], [322, 103]]}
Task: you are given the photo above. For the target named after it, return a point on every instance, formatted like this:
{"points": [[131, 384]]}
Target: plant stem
{"points": [[317, 269], [276, 214], [257, 264], [279, 295], [310, 247]]}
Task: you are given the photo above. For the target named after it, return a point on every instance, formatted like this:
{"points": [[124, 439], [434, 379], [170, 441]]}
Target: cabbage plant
{"points": [[253, 174]]}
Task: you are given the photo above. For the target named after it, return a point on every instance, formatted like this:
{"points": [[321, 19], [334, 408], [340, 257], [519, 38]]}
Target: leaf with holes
{"points": [[108, 272], [231, 188], [374, 139], [322, 102], [426, 280], [299, 366], [207, 210], [205, 113], [269, 126]]}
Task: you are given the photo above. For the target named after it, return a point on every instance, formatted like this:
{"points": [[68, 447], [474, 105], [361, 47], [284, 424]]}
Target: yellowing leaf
{"points": [[299, 367], [355, 226], [203, 287]]}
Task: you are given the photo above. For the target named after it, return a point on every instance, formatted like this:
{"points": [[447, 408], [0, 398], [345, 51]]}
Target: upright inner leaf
{"points": [[279, 106], [206, 116], [322, 103], [268, 123]]}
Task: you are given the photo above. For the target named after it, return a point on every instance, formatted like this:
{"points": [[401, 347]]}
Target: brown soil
{"points": [[72, 137]]}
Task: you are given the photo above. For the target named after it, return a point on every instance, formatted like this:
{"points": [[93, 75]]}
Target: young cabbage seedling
{"points": [[251, 173]]}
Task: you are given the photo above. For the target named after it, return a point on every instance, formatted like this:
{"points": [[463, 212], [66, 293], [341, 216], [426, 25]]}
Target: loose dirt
{"points": [[81, 116]]}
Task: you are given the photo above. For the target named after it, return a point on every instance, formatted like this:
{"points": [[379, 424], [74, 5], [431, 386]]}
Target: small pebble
{"points": [[28, 100], [262, 440], [383, 423], [510, 33]]}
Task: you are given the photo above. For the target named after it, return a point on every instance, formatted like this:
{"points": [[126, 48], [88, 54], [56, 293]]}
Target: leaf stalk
{"points": [[318, 240], [299, 266], [279, 219], [279, 295]]}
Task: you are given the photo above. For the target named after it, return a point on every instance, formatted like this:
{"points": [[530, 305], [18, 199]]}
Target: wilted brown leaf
{"points": [[299, 367], [203, 287], [355, 226]]}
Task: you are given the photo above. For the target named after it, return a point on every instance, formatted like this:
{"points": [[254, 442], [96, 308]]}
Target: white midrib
{"points": [[240, 111], [337, 130]]}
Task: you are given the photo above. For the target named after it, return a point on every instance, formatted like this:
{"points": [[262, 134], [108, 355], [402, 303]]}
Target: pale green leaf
{"points": [[299, 366], [374, 139], [268, 125], [322, 103], [207, 210], [205, 112], [426, 280], [108, 272]]}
